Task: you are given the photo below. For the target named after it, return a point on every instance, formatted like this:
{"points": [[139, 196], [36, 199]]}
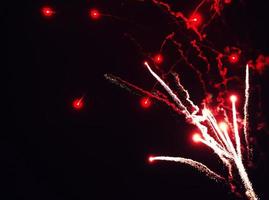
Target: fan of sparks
{"points": [[216, 135], [223, 137]]}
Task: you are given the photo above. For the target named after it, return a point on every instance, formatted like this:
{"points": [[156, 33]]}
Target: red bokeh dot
{"points": [[47, 11], [233, 58], [158, 58], [94, 14], [195, 20], [145, 102], [78, 104]]}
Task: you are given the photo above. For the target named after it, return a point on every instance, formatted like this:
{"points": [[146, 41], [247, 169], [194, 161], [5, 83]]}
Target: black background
{"points": [[100, 152]]}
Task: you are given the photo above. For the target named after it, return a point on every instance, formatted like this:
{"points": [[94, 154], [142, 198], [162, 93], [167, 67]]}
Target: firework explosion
{"points": [[217, 119]]}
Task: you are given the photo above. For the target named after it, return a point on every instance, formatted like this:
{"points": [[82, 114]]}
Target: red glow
{"points": [[151, 159], [195, 20], [227, 1], [196, 137], [158, 58], [233, 58], [233, 98], [94, 14], [78, 104], [145, 102], [47, 11]]}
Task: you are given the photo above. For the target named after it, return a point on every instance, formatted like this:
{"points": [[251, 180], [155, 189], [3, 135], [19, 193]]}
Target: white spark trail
{"points": [[197, 165], [244, 177], [170, 92], [236, 132], [213, 121], [229, 154], [210, 141], [231, 146], [196, 108], [245, 122]]}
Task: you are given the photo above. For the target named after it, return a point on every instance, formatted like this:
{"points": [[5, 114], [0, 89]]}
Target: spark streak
{"points": [[235, 126], [231, 156], [197, 165], [215, 135], [246, 110], [169, 91]]}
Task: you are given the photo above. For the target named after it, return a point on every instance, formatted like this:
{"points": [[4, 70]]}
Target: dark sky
{"points": [[100, 152]]}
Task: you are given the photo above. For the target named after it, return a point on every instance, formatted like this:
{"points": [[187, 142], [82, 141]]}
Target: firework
{"points": [[223, 137], [227, 153], [218, 138]]}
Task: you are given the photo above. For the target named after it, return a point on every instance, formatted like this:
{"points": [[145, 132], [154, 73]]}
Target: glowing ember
{"points": [[233, 98], [233, 58], [94, 14], [196, 138], [195, 20], [158, 59], [78, 104], [145, 102], [151, 159], [47, 11]]}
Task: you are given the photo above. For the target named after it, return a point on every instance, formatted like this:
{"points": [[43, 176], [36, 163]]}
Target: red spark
{"points": [[195, 20], [233, 98], [47, 11], [145, 102], [233, 58], [196, 137], [158, 58], [151, 159], [78, 104], [94, 14]]}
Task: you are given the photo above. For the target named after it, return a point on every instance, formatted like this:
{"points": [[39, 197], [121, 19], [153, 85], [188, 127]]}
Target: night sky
{"points": [[54, 151]]}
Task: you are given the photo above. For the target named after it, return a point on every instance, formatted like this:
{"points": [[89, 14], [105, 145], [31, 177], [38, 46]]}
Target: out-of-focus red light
{"points": [[78, 104], [47, 11], [195, 20], [196, 137], [227, 1], [233, 98], [94, 14], [145, 102], [233, 58], [158, 58]]}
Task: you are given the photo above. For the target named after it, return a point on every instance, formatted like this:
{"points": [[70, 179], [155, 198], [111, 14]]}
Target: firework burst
{"points": [[217, 136], [219, 122]]}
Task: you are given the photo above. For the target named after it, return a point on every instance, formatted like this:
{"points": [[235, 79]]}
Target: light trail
{"points": [[235, 126], [197, 165], [228, 154], [222, 137], [245, 122]]}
